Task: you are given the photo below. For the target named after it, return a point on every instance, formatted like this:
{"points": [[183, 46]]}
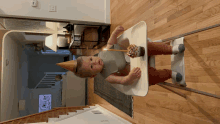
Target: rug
{"points": [[113, 96]]}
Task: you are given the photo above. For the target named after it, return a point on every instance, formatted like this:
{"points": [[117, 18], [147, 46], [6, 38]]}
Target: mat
{"points": [[113, 96]]}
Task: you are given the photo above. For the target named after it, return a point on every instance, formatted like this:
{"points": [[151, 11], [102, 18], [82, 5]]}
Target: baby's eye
{"points": [[91, 66], [91, 59]]}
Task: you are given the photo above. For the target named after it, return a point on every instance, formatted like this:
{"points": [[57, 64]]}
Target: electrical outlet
{"points": [[34, 3], [52, 8]]}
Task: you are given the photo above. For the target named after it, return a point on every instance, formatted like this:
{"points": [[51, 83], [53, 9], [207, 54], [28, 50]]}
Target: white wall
{"points": [[74, 90], [89, 117], [23, 73], [22, 83], [79, 10], [10, 78], [33, 102]]}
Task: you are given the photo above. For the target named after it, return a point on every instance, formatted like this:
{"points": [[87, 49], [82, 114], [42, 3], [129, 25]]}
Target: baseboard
{"points": [[86, 91]]}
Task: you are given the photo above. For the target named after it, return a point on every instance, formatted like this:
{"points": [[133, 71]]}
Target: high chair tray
{"points": [[136, 35]]}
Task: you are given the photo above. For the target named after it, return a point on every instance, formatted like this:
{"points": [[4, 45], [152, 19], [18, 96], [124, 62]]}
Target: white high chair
{"points": [[138, 35]]}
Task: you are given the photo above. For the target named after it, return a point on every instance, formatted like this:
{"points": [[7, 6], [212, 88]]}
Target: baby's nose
{"points": [[96, 62]]}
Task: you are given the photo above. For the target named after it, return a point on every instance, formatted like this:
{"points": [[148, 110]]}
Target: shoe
{"points": [[176, 76], [178, 49]]}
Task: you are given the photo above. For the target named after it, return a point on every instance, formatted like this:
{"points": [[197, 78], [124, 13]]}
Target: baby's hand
{"points": [[118, 30], [135, 73]]}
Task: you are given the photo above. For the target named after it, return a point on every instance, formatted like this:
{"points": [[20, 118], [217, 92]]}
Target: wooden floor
{"points": [[167, 18]]}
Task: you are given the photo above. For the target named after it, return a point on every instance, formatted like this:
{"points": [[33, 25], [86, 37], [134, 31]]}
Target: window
{"points": [[44, 102]]}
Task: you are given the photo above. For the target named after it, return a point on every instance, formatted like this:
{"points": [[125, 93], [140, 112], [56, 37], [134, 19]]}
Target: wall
{"points": [[38, 64], [105, 118], [10, 78], [22, 83], [23, 73], [79, 10], [75, 90], [33, 102]]}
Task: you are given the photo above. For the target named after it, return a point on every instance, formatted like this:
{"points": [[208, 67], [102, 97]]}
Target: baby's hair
{"points": [[58, 77], [79, 71]]}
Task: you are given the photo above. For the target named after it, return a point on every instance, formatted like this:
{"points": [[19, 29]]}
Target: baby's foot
{"points": [[176, 76], [178, 49], [118, 30]]}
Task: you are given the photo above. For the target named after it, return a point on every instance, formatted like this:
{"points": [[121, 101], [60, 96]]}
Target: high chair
{"points": [[138, 35]]}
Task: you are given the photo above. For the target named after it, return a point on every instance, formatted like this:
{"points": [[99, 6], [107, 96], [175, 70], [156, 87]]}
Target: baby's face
{"points": [[92, 64]]}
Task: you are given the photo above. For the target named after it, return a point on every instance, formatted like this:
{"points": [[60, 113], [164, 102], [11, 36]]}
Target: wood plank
{"points": [[163, 36], [170, 115], [164, 92], [201, 72], [204, 43], [161, 22], [187, 3], [175, 24], [169, 13], [183, 106], [195, 72], [193, 3], [181, 2], [208, 13], [210, 21], [205, 100], [164, 5], [204, 86], [211, 4], [143, 119], [184, 29], [134, 8], [179, 13], [168, 8], [217, 93]]}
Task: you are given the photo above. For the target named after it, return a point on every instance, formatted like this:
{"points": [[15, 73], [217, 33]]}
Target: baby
{"points": [[108, 64], [113, 67]]}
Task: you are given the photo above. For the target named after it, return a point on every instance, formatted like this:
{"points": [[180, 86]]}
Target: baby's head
{"points": [[85, 66]]}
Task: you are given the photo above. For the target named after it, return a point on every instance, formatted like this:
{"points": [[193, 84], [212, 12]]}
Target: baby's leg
{"points": [[158, 48], [157, 76]]}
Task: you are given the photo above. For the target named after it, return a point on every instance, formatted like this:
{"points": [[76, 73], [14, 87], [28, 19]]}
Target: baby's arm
{"points": [[114, 79], [135, 73], [113, 38]]}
